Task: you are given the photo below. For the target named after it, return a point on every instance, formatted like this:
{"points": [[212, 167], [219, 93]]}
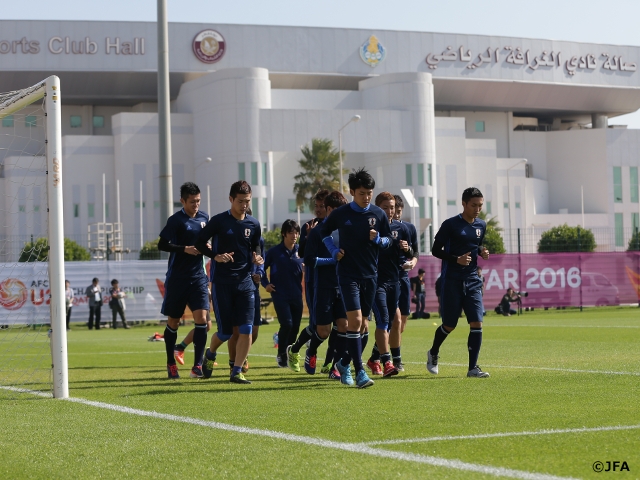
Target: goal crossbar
{"points": [[22, 98]]}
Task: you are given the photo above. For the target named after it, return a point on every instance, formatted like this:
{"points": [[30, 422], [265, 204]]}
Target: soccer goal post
{"points": [[31, 169]]}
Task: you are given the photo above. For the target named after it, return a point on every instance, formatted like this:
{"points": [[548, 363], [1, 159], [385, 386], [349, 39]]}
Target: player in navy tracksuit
{"points": [[458, 244], [327, 308], [235, 246], [257, 271], [364, 230], [285, 287], [385, 307], [186, 282]]}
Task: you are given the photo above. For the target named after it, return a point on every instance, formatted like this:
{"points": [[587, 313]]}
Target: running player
{"points": [[320, 213], [285, 287], [364, 230], [236, 245], [186, 281], [388, 288], [327, 308], [458, 244], [178, 350]]}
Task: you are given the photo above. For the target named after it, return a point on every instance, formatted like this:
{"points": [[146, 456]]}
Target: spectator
{"points": [[94, 294], [418, 292], [117, 304], [505, 303], [68, 300]]}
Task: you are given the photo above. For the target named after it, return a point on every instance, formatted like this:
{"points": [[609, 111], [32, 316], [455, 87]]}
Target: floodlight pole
{"points": [[164, 115], [524, 160]]}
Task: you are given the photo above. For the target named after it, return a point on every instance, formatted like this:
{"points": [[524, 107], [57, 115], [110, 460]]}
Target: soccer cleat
{"points": [[432, 363], [207, 366], [389, 369], [399, 365], [196, 372], [375, 367], [172, 371], [477, 373], [282, 361], [363, 380], [239, 378], [293, 360], [326, 368], [345, 373], [334, 374], [245, 365], [309, 363], [179, 356]]}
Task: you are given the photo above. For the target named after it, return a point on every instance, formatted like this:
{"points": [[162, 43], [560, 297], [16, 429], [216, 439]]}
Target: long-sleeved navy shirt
{"points": [[183, 230], [285, 272], [318, 261], [413, 243], [393, 257], [457, 237]]}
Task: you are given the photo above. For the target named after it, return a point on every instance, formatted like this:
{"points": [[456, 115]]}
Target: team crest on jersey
{"points": [[202, 224], [372, 222], [247, 232], [394, 234], [478, 232]]}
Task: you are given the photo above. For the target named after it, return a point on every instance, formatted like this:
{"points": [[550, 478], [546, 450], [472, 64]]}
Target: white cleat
{"points": [[477, 373], [432, 363]]}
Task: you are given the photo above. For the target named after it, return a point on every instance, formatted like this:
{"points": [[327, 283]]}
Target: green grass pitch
{"points": [[560, 380]]}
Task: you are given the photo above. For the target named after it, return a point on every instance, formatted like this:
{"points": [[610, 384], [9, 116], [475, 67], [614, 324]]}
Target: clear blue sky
{"points": [[612, 21]]}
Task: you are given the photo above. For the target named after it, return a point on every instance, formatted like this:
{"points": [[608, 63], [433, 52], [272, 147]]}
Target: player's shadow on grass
{"points": [[256, 387]]}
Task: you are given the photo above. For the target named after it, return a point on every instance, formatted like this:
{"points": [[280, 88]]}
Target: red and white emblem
{"points": [[247, 232], [209, 46]]}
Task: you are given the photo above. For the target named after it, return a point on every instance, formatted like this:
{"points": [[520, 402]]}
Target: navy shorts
{"points": [[404, 302], [234, 304], [178, 293], [458, 295], [357, 294], [257, 319], [386, 304], [327, 307]]}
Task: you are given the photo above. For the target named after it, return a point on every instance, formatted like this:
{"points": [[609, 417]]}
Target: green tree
{"points": [[149, 250], [271, 238], [38, 251], [492, 238], [319, 169], [634, 242], [567, 239]]}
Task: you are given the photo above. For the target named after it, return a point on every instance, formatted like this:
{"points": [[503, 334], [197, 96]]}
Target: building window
{"points": [[76, 210], [430, 207], [635, 222], [254, 173], [76, 121], [90, 210], [421, 207], [617, 184], [106, 210], [30, 121], [175, 204], [633, 179], [619, 230], [487, 207], [264, 212], [421, 174], [137, 204], [408, 169], [241, 171], [451, 202], [517, 204], [98, 121], [7, 121], [264, 174], [156, 204], [505, 205], [429, 175], [36, 208], [480, 126], [22, 208], [293, 208]]}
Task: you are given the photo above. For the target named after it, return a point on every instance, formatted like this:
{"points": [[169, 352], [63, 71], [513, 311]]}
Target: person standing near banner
{"points": [[94, 294], [68, 300]]}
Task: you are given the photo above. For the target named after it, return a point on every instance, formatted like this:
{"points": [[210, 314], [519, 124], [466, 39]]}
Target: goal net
{"points": [[33, 339]]}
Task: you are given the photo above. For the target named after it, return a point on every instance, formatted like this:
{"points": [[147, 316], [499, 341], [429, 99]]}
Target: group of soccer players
{"points": [[356, 257]]}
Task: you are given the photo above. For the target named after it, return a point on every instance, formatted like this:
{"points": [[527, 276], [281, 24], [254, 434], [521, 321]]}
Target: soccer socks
{"points": [[199, 343], [375, 353], [395, 354], [385, 357], [342, 349], [316, 341], [364, 341], [331, 346], [354, 347], [438, 338], [236, 370], [304, 337], [474, 342], [210, 355], [170, 337]]}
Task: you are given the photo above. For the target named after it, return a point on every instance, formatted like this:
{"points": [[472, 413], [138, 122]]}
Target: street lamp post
{"points": [[524, 160], [355, 118]]}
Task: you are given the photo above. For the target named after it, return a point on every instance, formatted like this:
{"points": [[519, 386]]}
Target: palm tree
{"points": [[491, 222], [492, 239], [319, 169]]}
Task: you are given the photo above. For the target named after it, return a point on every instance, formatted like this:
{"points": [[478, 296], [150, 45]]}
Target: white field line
{"points": [[565, 326], [506, 434], [535, 367], [344, 446]]}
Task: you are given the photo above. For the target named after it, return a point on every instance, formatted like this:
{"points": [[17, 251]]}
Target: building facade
{"points": [[524, 120]]}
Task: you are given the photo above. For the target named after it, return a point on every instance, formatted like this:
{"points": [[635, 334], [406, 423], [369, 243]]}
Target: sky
{"points": [[611, 22]]}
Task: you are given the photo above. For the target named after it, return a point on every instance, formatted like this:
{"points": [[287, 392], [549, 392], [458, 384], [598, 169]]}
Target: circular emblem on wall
{"points": [[372, 52], [13, 294], [209, 46]]}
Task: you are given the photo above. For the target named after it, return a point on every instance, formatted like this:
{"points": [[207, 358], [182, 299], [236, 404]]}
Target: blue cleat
{"points": [[345, 373], [363, 380], [207, 365], [309, 363]]}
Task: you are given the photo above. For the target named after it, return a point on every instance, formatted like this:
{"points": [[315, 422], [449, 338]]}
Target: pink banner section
{"points": [[552, 279]]}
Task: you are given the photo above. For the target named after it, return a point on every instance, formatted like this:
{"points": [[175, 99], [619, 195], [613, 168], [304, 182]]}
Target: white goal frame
{"points": [[50, 90]]}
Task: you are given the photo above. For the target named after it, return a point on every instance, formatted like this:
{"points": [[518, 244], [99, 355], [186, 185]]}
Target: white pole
{"points": [[298, 215], [104, 199], [582, 200], [339, 153], [118, 199], [141, 229], [56, 239], [164, 115], [509, 212], [209, 200]]}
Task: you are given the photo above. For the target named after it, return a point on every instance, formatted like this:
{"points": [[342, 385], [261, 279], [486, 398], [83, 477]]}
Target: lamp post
{"points": [[524, 160], [355, 118]]}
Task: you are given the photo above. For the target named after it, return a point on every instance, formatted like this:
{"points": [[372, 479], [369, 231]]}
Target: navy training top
{"points": [[181, 229], [413, 243], [285, 273], [353, 224], [259, 269], [242, 237], [393, 257], [318, 261], [459, 237]]}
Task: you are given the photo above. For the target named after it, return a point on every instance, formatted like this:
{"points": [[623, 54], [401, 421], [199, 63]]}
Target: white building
{"points": [[440, 112]]}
